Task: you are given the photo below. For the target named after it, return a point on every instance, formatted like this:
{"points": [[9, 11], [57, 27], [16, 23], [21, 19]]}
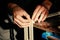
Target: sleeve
{"points": [[10, 10], [55, 6]]}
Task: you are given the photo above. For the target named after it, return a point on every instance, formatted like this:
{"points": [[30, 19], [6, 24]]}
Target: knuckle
{"points": [[38, 6], [28, 16], [21, 24], [16, 15]]}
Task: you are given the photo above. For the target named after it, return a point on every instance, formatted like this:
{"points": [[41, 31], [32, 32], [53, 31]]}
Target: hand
{"points": [[39, 14], [18, 18]]}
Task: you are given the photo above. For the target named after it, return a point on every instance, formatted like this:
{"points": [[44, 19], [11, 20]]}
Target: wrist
{"points": [[47, 4], [45, 7], [13, 7]]}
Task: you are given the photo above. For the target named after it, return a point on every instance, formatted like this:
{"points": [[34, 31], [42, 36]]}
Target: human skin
{"points": [[39, 14]]}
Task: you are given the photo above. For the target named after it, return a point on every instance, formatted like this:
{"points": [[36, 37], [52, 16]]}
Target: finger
{"points": [[20, 23], [39, 13], [27, 16], [41, 17], [21, 26], [45, 17], [35, 12], [25, 26], [17, 24], [22, 19]]}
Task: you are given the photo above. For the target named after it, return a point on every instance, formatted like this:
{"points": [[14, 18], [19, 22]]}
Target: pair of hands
{"points": [[39, 14]]}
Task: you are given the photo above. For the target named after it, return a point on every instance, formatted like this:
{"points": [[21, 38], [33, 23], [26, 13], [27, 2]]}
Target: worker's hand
{"points": [[18, 17], [39, 14]]}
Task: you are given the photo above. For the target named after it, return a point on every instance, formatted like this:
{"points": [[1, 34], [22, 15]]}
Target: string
{"points": [[31, 31], [26, 33]]}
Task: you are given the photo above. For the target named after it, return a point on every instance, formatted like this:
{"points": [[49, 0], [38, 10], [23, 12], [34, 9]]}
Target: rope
{"points": [[30, 32], [26, 33]]}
